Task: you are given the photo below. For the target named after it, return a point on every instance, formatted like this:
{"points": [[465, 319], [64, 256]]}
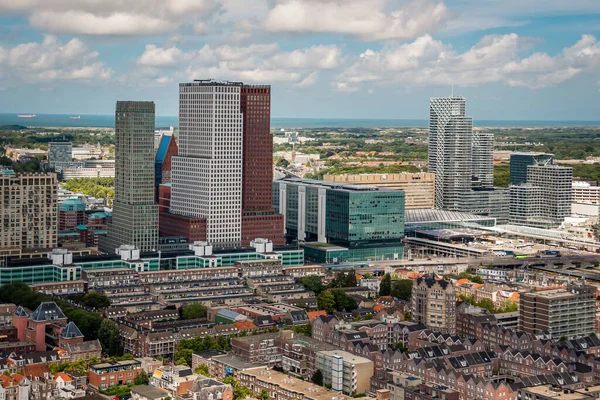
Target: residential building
{"points": [[348, 222], [450, 150], [71, 213], [148, 392], [175, 379], [559, 312], [210, 389], [28, 212], [345, 372], [520, 161], [482, 174], [37, 326], [419, 188], [114, 373], [544, 201], [135, 214], [260, 349], [59, 153], [433, 302], [225, 161]]}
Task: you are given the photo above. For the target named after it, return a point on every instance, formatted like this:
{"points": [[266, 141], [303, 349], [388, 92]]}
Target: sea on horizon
{"points": [[107, 121]]}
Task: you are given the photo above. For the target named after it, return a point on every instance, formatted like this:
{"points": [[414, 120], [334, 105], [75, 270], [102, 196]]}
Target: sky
{"points": [[511, 59]]}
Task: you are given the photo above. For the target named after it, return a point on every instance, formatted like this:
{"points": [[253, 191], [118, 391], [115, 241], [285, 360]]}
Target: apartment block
{"points": [[433, 302], [345, 372], [59, 153], [28, 212], [419, 188], [559, 312], [585, 193]]}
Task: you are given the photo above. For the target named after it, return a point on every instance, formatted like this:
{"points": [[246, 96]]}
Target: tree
{"points": [[96, 300], [239, 391], [341, 299], [385, 288], [108, 334], [487, 304], [317, 378], [351, 304], [350, 280], [283, 163], [326, 301], [202, 370], [401, 347], [183, 357], [303, 329], [193, 311], [402, 289], [141, 379], [263, 395], [313, 283]]}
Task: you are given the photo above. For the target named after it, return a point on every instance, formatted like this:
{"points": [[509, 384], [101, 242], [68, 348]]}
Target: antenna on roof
{"points": [[452, 93]]}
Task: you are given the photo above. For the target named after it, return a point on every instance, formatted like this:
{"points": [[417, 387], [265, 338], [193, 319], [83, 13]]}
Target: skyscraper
{"points": [[483, 160], [259, 218], [223, 172], [207, 173], [450, 150], [135, 216], [519, 161]]}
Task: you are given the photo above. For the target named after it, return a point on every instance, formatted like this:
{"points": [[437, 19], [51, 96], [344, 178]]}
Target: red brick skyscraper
{"points": [[259, 219]]}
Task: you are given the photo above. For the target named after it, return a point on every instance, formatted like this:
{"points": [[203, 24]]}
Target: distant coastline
{"points": [[107, 121]]}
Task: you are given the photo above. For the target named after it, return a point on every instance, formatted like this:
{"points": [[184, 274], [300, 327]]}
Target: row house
{"points": [[428, 337], [524, 363], [493, 335]]}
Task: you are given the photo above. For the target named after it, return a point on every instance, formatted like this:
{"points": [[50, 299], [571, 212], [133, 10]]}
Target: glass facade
{"points": [[520, 161]]}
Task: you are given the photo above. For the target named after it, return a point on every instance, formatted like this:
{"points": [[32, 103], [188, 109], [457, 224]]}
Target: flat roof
{"points": [[335, 185], [432, 215], [559, 393]]}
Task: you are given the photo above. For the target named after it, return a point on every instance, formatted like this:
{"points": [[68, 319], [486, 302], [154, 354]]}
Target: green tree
{"points": [[350, 280], [385, 288], [202, 370], [108, 334], [193, 311], [239, 391], [283, 163], [487, 304], [317, 378], [401, 347], [402, 289], [341, 299], [313, 283], [326, 301], [183, 357], [263, 395], [303, 329], [96, 300], [141, 379]]}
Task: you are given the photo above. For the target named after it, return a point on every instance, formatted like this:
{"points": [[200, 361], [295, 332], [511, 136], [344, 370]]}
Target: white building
{"points": [[585, 193], [207, 173], [345, 372]]}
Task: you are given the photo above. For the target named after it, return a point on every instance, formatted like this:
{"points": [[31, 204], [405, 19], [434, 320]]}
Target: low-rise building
{"points": [[175, 379], [116, 373]]}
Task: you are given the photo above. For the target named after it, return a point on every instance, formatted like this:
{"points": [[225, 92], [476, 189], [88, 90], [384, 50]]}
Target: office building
{"points": [[259, 218], [585, 193], [59, 153], [419, 188], [224, 168], [135, 215], [483, 160], [434, 304], [450, 150], [28, 212], [519, 161], [71, 213], [162, 163], [544, 201], [559, 312], [340, 222], [345, 372]]}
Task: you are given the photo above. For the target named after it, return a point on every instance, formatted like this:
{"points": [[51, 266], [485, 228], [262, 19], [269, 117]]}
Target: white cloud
{"points": [[364, 19], [111, 17], [161, 57], [53, 60], [495, 58], [261, 63]]}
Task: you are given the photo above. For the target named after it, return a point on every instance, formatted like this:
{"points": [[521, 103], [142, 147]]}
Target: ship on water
{"points": [[75, 117], [26, 115]]}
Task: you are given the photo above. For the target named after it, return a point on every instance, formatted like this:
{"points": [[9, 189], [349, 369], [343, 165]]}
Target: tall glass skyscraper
{"points": [[135, 216]]}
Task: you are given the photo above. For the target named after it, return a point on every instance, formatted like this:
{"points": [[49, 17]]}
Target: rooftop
{"points": [[559, 393], [47, 311], [335, 185], [431, 215]]}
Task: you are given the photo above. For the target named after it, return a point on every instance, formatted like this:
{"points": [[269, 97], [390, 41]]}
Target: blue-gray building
{"points": [[519, 161]]}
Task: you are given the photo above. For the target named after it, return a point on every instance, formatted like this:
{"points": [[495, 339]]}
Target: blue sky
{"points": [[512, 59]]}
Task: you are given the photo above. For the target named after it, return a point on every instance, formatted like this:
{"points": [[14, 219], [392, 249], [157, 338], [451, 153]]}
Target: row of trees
{"points": [[186, 347], [507, 306], [97, 187], [332, 300]]}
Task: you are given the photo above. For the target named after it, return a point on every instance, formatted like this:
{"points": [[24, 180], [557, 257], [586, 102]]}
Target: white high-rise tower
{"points": [[450, 150], [207, 173]]}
